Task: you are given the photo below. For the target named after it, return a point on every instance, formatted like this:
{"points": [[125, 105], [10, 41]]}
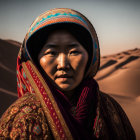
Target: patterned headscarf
{"points": [[30, 79], [71, 19]]}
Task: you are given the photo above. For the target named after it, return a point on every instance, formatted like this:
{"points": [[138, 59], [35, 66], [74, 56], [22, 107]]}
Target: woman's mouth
{"points": [[63, 77]]}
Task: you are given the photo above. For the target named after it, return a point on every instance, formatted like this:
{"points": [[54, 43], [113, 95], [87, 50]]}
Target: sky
{"points": [[117, 22]]}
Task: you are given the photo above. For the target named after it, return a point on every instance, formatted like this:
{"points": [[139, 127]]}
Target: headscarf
{"points": [[75, 21], [30, 78]]}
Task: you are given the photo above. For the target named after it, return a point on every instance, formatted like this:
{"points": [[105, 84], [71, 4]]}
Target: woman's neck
{"points": [[69, 94], [72, 96]]}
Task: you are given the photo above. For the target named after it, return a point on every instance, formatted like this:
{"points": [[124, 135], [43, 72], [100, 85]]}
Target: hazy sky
{"points": [[117, 22]]}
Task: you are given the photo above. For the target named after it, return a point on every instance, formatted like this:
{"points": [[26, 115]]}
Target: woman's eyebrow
{"points": [[69, 45], [49, 45]]}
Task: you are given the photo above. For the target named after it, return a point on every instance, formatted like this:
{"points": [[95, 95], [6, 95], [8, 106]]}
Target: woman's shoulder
{"points": [[23, 104], [107, 99], [114, 113], [112, 107], [24, 119], [111, 103]]}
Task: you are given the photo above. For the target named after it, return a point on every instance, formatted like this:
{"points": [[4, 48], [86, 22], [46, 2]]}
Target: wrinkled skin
{"points": [[64, 60]]}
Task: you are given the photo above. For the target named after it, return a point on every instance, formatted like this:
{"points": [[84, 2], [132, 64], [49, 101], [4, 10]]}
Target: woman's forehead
{"points": [[61, 39], [61, 36], [67, 46]]}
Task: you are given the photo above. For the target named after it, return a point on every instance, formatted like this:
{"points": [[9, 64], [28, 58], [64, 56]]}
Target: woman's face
{"points": [[64, 60]]}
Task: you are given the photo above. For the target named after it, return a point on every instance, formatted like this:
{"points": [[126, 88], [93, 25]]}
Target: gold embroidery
{"points": [[14, 110], [27, 109], [32, 125]]}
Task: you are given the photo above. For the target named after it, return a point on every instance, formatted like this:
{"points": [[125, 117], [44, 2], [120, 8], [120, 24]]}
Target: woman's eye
{"points": [[74, 52], [51, 53]]}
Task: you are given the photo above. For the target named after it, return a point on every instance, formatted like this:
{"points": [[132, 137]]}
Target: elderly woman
{"points": [[58, 97]]}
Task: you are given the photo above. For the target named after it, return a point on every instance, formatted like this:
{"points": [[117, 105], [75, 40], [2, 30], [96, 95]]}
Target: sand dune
{"points": [[16, 43], [8, 56], [123, 74], [8, 92], [6, 68], [6, 100], [119, 76]]}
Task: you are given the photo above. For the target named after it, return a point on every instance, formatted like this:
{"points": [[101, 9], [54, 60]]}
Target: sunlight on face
{"points": [[64, 60]]}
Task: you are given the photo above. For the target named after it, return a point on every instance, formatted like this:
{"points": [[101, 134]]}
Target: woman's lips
{"points": [[63, 77]]}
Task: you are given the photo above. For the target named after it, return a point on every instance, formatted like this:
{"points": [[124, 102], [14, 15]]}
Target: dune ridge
{"points": [[8, 92]]}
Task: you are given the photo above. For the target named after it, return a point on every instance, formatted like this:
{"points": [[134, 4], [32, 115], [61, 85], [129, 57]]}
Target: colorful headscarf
{"points": [[30, 79], [66, 16]]}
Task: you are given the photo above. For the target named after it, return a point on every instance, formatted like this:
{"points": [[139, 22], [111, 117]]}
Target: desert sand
{"points": [[119, 76]]}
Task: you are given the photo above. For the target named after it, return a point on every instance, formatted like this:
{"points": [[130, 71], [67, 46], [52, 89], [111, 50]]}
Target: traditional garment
{"points": [[44, 112]]}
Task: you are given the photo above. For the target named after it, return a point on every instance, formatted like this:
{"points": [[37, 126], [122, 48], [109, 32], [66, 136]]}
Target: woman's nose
{"points": [[62, 61]]}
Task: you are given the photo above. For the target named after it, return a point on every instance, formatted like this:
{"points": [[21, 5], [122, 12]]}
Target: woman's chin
{"points": [[65, 87]]}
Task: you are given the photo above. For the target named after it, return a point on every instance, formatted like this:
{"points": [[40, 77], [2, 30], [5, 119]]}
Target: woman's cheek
{"points": [[43, 62], [79, 62], [46, 61]]}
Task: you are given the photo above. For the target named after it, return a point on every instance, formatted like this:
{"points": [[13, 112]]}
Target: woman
{"points": [[58, 97]]}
